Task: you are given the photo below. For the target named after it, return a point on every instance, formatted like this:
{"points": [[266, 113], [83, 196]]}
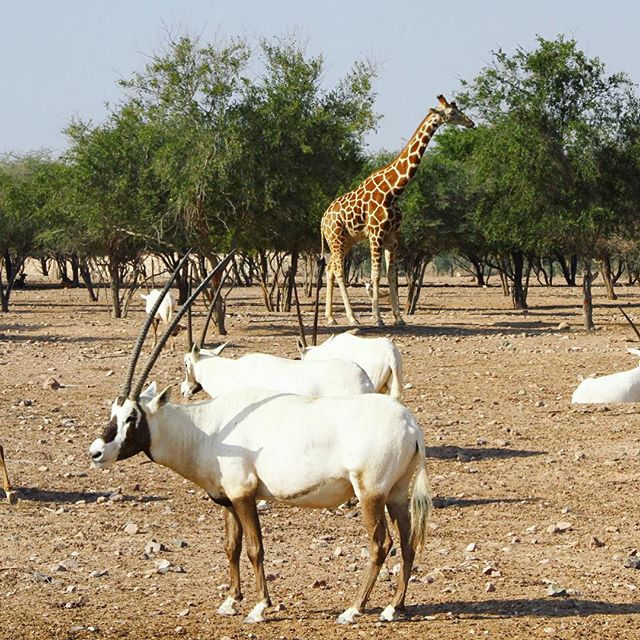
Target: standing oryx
{"points": [[206, 369], [163, 313], [308, 452]]}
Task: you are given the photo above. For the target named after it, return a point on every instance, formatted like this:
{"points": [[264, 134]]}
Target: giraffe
{"points": [[370, 211]]}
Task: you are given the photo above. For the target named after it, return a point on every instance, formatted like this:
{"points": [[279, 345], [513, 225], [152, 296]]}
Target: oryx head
{"points": [[452, 115], [191, 385], [128, 430]]}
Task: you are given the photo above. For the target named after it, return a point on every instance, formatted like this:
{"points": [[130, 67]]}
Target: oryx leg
{"points": [[233, 548], [400, 517], [10, 494], [392, 277], [247, 514], [379, 546], [154, 326]]}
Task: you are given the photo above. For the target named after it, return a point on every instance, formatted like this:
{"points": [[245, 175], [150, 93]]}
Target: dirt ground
{"points": [[509, 458]]}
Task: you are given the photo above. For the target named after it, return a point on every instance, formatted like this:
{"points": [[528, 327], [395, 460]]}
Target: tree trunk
{"points": [[587, 302], [44, 265], [291, 280], [415, 288], [518, 290], [605, 266], [569, 269], [478, 269], [85, 273], [114, 286], [75, 270]]}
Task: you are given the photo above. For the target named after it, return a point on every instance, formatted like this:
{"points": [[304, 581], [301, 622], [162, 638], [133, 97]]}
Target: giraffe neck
{"points": [[402, 169]]}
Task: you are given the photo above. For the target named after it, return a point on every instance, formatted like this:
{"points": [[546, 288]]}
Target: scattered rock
{"points": [[596, 542], [162, 566], [153, 546], [559, 527], [563, 326], [490, 570], [632, 562], [131, 528], [262, 506], [384, 576], [51, 383], [337, 552], [99, 574], [555, 591], [470, 548], [179, 543], [489, 587]]}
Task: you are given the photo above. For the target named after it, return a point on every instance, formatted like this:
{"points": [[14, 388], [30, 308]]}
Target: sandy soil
{"points": [[509, 459]]}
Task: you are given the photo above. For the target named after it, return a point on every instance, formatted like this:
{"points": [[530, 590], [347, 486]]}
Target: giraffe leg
{"points": [[392, 277], [337, 266], [328, 308], [376, 259], [10, 494]]}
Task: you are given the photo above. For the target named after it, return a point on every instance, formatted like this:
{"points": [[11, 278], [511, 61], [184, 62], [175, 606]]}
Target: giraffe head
{"points": [[452, 115]]}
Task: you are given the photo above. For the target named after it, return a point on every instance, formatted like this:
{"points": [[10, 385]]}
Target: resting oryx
{"points": [[379, 357], [308, 452], [206, 369], [623, 386]]}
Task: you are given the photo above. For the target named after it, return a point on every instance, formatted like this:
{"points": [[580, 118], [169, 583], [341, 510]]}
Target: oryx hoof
{"points": [[256, 614], [400, 322], [389, 614], [348, 616], [229, 607], [12, 497]]}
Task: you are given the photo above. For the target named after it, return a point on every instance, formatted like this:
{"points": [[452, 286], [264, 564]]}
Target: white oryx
{"points": [[308, 452], [206, 369], [623, 386], [163, 313], [379, 357]]}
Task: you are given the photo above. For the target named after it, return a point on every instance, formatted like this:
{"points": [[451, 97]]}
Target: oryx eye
{"points": [[130, 420]]}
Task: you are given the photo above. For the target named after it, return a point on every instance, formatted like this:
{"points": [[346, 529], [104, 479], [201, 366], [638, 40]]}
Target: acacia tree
{"points": [[551, 113], [117, 192], [24, 190]]}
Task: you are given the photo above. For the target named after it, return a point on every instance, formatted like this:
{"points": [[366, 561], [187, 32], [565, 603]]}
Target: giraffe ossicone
{"points": [[369, 212]]}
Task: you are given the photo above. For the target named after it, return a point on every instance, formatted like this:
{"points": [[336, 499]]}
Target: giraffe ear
{"points": [[443, 101]]}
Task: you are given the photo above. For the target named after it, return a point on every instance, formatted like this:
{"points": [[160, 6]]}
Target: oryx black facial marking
{"points": [[133, 432]]}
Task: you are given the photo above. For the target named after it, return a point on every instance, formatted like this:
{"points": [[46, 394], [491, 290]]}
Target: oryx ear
{"points": [[218, 350], [195, 353], [150, 391], [159, 401]]}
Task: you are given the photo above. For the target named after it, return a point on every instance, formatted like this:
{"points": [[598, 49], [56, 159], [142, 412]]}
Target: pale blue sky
{"points": [[62, 58]]}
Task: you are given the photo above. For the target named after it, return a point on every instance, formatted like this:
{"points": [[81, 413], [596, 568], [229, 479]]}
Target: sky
{"points": [[62, 59]]}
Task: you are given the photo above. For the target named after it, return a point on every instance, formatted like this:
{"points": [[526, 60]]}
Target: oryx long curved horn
{"points": [[630, 321], [189, 319], [135, 354], [212, 306], [135, 394]]}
